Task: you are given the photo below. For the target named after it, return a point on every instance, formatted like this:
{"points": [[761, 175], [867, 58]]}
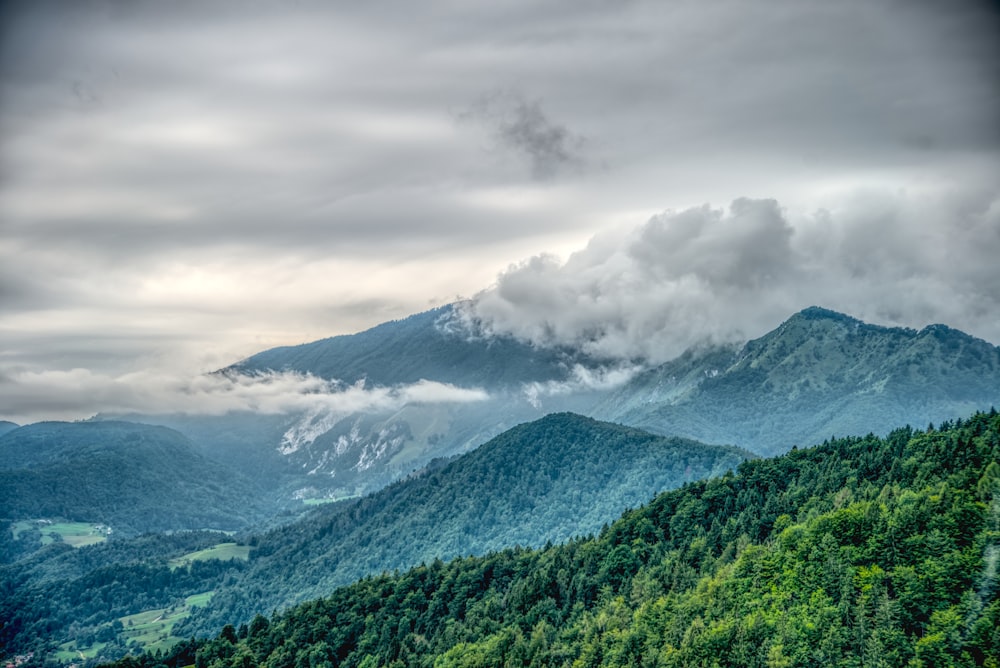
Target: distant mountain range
{"points": [[133, 477], [434, 345], [817, 375]]}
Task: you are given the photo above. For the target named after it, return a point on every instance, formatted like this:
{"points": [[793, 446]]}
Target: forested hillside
{"points": [[562, 476], [63, 599], [859, 552], [132, 477], [545, 481]]}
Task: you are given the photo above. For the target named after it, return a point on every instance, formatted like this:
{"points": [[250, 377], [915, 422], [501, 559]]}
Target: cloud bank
{"points": [[168, 201], [31, 395], [709, 274]]}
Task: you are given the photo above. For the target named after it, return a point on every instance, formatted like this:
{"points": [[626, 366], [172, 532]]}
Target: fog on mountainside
{"points": [[817, 375]]}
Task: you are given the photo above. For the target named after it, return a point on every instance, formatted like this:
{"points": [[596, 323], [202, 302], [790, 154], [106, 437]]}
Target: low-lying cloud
{"points": [[716, 275], [581, 379], [30, 395]]}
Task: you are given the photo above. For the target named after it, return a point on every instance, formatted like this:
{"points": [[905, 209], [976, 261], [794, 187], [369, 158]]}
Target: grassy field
{"points": [[152, 629], [68, 652], [222, 551], [76, 534]]}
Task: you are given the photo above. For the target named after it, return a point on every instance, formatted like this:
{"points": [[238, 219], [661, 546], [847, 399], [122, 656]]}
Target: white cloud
{"points": [[707, 274], [581, 379], [31, 395]]}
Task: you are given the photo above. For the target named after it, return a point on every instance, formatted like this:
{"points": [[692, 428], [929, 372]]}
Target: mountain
{"points": [[549, 480], [132, 477], [434, 345], [334, 454], [6, 426], [562, 476], [861, 551], [820, 373]]}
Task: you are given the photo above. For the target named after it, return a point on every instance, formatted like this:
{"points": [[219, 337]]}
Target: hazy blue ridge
{"points": [[133, 477], [422, 346], [818, 374]]}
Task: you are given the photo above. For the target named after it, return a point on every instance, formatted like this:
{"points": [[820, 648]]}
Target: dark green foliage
{"points": [[549, 480], [860, 552], [130, 476], [60, 594]]}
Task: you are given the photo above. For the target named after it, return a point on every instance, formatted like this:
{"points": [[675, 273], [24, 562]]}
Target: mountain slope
{"points": [[561, 476], [819, 373], [549, 480], [133, 477], [862, 551], [431, 345]]}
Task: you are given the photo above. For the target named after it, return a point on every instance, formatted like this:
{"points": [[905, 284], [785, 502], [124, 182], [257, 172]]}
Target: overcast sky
{"points": [[183, 184]]}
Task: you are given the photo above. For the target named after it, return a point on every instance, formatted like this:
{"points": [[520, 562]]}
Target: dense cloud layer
{"points": [[713, 275], [186, 183]]}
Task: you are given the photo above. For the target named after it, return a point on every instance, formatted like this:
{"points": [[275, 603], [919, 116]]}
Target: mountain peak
{"points": [[820, 313]]}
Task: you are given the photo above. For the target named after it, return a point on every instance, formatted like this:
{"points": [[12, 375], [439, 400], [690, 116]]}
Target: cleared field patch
{"points": [[153, 629], [222, 551], [75, 534], [68, 652]]}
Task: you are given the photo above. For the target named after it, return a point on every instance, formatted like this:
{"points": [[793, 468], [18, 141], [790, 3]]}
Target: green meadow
{"points": [[222, 551], [76, 534]]}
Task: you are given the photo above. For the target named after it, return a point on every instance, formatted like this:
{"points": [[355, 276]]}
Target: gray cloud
{"points": [[521, 126], [712, 275], [31, 395], [199, 181]]}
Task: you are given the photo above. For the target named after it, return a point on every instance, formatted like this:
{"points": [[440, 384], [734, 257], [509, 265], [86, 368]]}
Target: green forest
{"points": [[549, 480], [133, 477], [545, 481], [858, 552]]}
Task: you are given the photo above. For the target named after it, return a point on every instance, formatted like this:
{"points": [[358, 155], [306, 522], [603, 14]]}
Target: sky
{"points": [[183, 184]]}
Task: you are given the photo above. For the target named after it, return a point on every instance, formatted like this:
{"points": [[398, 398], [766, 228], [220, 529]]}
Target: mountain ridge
{"points": [[817, 374], [548, 480], [131, 476]]}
